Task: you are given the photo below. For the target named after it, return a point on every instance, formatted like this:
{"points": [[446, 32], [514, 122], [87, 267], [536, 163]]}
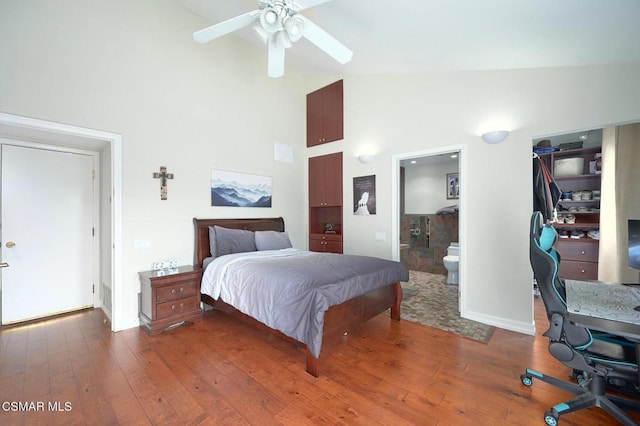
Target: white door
{"points": [[47, 232]]}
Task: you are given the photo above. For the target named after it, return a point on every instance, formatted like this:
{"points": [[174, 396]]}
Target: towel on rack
{"points": [[448, 210]]}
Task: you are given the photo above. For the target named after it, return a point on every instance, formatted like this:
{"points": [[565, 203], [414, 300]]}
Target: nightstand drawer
{"points": [[176, 291], [177, 307]]}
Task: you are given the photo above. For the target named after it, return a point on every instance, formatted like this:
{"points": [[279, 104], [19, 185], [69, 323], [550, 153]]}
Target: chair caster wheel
{"points": [[551, 419], [526, 379]]}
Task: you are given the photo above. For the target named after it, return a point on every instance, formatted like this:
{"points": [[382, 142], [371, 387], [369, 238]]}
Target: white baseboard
{"points": [[519, 327]]}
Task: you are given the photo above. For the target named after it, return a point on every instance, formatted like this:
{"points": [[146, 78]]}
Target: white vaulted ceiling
{"points": [[403, 36]]}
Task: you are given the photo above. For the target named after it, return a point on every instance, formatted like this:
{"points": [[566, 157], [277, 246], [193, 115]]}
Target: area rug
{"points": [[429, 300]]}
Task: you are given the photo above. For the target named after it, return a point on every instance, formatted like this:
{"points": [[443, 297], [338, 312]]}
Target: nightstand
{"points": [[169, 298]]}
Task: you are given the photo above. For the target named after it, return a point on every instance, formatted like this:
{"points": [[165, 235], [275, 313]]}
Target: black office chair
{"points": [[599, 359]]}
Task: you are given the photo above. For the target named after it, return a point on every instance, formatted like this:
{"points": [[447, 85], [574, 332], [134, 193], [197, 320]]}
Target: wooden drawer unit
{"points": [[578, 259], [169, 298], [584, 251], [330, 243], [578, 270]]}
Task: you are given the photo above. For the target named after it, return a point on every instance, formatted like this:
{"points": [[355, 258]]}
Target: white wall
{"points": [[417, 112], [425, 186], [130, 67]]}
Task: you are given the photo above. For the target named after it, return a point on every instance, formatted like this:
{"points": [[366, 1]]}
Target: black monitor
{"points": [[634, 243]]}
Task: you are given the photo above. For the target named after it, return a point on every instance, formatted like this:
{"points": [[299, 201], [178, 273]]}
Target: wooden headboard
{"points": [[201, 228]]}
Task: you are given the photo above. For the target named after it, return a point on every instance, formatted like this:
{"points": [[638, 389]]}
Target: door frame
{"points": [[95, 164], [462, 149], [41, 132]]}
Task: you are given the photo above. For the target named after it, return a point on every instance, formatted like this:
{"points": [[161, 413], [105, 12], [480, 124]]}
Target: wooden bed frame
{"points": [[338, 319]]}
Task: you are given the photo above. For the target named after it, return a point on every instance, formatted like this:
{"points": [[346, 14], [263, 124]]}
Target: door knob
{"points": [[4, 265], [10, 244]]}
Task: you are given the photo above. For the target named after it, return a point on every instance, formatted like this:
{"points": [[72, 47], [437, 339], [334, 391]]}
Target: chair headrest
{"points": [[545, 235], [548, 237]]}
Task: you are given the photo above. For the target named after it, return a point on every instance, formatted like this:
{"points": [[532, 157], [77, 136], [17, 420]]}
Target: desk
{"points": [[604, 307]]}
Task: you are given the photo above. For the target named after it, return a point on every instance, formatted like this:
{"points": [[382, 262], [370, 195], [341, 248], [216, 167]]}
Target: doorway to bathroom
{"points": [[428, 216], [429, 211]]}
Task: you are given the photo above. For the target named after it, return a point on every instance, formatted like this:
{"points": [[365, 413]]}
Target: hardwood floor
{"points": [[219, 371]]}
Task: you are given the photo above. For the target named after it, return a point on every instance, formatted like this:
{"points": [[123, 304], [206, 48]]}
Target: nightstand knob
{"points": [[180, 307], [582, 252], [177, 292]]}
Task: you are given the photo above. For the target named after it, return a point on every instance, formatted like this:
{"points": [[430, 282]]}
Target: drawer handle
{"points": [[582, 252], [582, 270], [174, 306], [173, 291]]}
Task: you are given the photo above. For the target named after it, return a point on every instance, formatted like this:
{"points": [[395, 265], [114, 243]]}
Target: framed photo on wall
{"points": [[364, 195], [234, 189], [453, 186]]}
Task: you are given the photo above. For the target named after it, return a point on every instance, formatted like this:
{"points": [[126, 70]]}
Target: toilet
{"points": [[451, 261]]}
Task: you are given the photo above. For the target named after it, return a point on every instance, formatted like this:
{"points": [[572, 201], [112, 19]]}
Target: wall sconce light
{"points": [[366, 159], [495, 137]]}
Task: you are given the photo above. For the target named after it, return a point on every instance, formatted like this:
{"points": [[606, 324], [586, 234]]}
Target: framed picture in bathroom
{"points": [[453, 186]]}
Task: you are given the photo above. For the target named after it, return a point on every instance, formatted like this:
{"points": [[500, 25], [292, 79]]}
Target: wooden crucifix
{"points": [[163, 176]]}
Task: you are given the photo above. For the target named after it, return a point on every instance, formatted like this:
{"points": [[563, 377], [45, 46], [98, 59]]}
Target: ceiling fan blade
{"points": [[276, 58], [324, 41], [226, 27], [306, 4]]}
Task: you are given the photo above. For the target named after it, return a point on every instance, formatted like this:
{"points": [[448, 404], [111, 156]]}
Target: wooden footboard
{"points": [[347, 316], [338, 319]]}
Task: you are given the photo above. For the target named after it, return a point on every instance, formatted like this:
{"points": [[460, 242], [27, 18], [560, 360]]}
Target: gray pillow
{"points": [[272, 240], [229, 241], [212, 242]]}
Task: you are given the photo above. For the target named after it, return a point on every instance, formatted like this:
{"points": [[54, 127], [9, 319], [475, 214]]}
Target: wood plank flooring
{"points": [[219, 371]]}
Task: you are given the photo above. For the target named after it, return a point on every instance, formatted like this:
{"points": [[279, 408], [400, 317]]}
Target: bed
{"points": [[370, 287]]}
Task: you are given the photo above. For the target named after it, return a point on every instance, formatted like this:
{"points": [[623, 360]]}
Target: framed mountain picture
{"points": [[233, 189]]}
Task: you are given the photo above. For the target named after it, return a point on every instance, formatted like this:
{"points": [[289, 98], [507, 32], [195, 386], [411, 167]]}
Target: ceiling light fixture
{"points": [[495, 136], [278, 24]]}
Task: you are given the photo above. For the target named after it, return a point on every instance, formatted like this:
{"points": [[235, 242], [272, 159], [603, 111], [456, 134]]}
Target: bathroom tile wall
{"points": [[424, 239]]}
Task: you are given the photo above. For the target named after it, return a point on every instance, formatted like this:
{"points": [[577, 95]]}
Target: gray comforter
{"points": [[290, 289]]}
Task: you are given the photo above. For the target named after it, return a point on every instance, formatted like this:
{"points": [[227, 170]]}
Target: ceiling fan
{"points": [[279, 25]]}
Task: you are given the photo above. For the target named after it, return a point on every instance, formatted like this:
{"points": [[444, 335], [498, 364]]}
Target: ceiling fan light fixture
{"points": [[294, 27], [261, 33], [282, 40], [278, 24], [269, 20]]}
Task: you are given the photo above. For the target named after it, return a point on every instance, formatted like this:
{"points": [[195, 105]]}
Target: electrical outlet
{"points": [[142, 244]]}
